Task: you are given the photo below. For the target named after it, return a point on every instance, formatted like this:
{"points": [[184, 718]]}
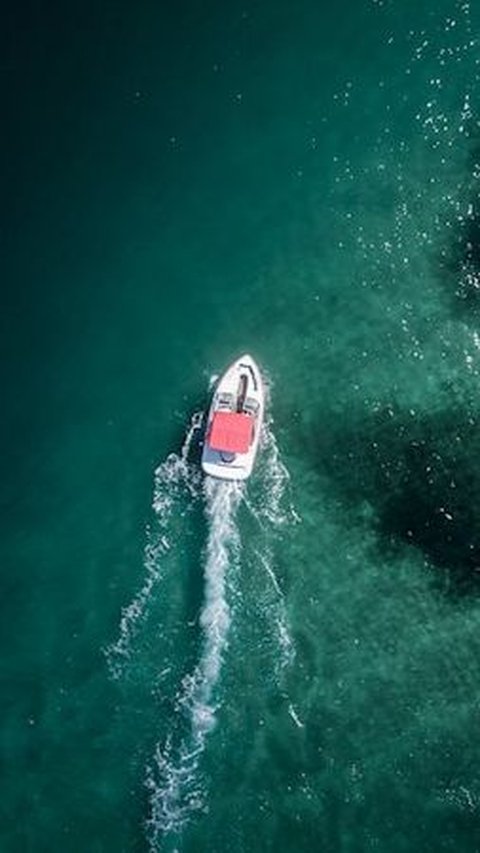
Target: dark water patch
{"points": [[414, 477]]}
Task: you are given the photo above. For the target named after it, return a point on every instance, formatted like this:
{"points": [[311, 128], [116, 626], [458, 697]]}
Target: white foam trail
{"points": [[175, 790], [275, 510], [275, 506], [173, 478], [296, 719], [276, 481], [285, 641]]}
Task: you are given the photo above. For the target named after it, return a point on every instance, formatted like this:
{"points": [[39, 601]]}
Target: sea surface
{"points": [[290, 665]]}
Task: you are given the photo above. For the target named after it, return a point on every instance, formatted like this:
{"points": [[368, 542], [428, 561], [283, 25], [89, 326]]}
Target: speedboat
{"points": [[234, 422]]}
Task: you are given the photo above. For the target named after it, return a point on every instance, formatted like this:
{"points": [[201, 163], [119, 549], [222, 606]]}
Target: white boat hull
{"points": [[239, 390]]}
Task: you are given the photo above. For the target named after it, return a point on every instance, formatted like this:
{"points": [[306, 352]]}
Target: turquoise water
{"points": [[294, 665]]}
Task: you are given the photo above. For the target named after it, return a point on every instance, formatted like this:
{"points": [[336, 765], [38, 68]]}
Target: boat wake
{"points": [[172, 779], [183, 501], [176, 788], [273, 510]]}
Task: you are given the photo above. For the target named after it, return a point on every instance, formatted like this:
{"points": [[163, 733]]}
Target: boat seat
{"points": [[225, 401], [251, 406]]}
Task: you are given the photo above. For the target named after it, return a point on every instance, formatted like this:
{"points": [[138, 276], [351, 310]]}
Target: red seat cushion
{"points": [[231, 432]]}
